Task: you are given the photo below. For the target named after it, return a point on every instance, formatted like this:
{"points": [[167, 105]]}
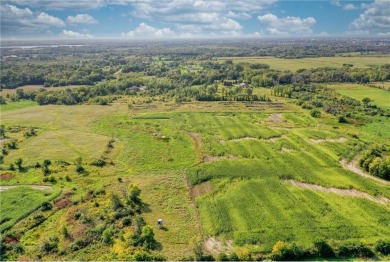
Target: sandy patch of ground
{"points": [[6, 176], [272, 139], [196, 138], [353, 166], [201, 189], [286, 150], [216, 158], [276, 118], [342, 192], [215, 247], [3, 188], [335, 140]]}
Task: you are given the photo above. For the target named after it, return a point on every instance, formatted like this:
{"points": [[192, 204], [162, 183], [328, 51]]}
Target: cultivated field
{"points": [[243, 175], [307, 63]]}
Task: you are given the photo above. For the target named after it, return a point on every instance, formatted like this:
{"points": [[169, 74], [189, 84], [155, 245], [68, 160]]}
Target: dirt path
{"points": [[276, 118], [271, 139], [341, 192], [209, 158], [193, 204], [197, 144], [39, 187], [335, 140], [216, 247], [352, 166]]}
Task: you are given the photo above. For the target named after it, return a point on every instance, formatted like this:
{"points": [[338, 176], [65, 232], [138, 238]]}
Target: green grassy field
{"points": [[17, 105], [307, 63], [25, 199], [246, 154], [380, 97]]}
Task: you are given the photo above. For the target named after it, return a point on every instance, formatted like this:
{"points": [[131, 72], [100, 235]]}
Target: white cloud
{"points": [[146, 31], [73, 34], [60, 5], [375, 18], [81, 19], [225, 24], [350, 7], [238, 15], [17, 20], [287, 25], [46, 19], [384, 34]]}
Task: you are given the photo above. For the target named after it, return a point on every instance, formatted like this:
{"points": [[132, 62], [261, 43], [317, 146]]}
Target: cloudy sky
{"points": [[134, 19]]}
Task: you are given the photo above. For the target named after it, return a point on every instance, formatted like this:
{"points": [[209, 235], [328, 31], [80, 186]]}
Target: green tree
{"points": [[366, 101], [19, 163]]}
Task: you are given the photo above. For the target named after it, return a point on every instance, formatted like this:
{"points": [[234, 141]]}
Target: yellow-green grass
{"points": [[264, 211], [231, 210], [383, 85], [65, 145], [307, 63], [18, 202], [66, 132], [9, 106], [251, 203], [380, 97]]}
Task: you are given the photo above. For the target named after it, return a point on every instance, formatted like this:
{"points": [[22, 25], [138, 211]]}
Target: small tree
{"points": [[2, 130], [115, 202], [107, 236], [79, 165], [134, 193], [366, 101], [19, 163]]}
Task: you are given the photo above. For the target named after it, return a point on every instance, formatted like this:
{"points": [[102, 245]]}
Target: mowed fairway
{"points": [[307, 63], [378, 96]]}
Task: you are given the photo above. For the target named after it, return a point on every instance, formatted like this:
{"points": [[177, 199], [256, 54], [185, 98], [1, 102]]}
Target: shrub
{"points": [[355, 250], [286, 251], [315, 113], [383, 247], [342, 119], [107, 236], [323, 249], [99, 163], [46, 206], [126, 221]]}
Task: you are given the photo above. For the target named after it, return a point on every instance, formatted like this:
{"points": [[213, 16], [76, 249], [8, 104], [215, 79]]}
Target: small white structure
{"points": [[159, 223]]}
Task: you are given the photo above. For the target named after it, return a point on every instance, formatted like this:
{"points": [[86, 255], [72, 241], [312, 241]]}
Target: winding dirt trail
{"points": [[38, 187], [352, 166], [197, 141], [341, 192]]}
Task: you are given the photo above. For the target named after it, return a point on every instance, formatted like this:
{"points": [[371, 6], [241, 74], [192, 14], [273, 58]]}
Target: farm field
{"points": [[211, 155], [283, 64], [378, 96]]}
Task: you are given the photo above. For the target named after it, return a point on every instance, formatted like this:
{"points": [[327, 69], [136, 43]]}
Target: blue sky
{"points": [[136, 19]]}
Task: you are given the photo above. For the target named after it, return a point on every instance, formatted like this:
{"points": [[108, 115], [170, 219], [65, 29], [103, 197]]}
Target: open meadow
{"points": [[240, 175], [360, 61]]}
